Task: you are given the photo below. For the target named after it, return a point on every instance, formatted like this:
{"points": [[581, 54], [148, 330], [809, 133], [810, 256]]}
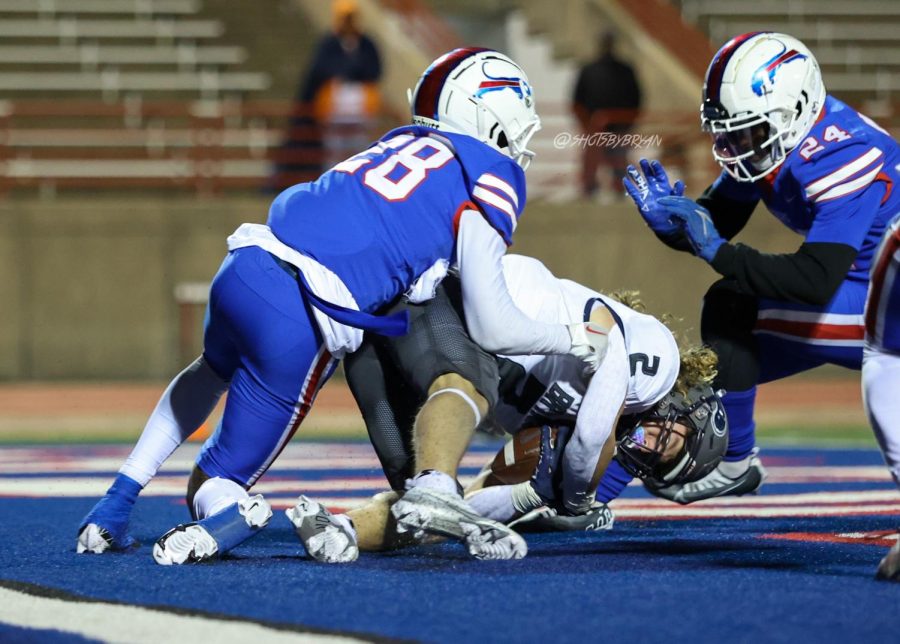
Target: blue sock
{"points": [[113, 511], [615, 479], [230, 528], [741, 438]]}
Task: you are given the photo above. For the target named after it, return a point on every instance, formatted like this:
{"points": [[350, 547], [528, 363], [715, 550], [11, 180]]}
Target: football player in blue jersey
{"points": [[826, 172], [294, 296]]}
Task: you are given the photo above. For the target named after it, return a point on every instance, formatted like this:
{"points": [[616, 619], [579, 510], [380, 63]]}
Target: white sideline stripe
{"points": [[828, 181], [134, 624], [811, 498], [41, 487], [282, 467], [700, 512], [850, 186]]}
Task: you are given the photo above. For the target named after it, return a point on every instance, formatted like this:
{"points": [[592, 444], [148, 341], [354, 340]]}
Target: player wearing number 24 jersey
{"points": [[824, 170], [294, 296]]}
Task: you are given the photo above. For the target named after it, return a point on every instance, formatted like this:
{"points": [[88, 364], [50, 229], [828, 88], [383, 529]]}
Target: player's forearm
{"points": [[594, 426], [492, 318], [810, 276]]}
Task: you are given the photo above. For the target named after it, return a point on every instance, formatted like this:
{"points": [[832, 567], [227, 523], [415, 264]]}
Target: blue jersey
{"points": [[835, 186], [383, 217]]}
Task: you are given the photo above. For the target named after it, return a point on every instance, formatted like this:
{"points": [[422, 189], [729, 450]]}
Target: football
{"points": [[516, 461]]}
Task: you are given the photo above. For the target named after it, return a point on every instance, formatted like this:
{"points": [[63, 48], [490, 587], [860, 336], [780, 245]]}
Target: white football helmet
{"points": [[763, 93], [481, 93]]}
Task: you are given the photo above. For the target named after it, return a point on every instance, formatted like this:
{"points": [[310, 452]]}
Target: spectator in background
{"points": [[607, 98], [338, 100], [342, 84]]}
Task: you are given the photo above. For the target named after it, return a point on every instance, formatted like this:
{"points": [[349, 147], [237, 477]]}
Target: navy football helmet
{"points": [[705, 441]]}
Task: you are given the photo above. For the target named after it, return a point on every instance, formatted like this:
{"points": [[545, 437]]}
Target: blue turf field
{"points": [[792, 564]]}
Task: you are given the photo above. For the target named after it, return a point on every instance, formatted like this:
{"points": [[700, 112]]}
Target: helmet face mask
{"points": [[480, 93], [762, 95], [699, 418], [749, 148]]}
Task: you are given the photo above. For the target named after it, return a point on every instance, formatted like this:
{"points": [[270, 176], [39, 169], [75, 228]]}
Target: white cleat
{"points": [[328, 538], [423, 510], [93, 539], [187, 543]]}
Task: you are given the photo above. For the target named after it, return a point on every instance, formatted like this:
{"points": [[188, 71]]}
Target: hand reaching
{"points": [[647, 188]]}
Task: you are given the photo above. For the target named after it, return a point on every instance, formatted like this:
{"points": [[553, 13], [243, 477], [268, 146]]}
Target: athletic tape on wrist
{"points": [[464, 396]]}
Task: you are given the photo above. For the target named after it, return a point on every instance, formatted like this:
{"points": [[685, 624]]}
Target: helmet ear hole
{"points": [[502, 141]]}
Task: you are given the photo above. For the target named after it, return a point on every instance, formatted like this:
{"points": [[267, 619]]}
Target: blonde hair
{"points": [[699, 363]]}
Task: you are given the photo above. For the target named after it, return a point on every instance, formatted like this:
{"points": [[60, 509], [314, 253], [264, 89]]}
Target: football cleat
{"points": [[215, 535], [424, 510], [328, 538], [106, 526], [544, 519], [889, 568], [186, 543], [718, 483]]}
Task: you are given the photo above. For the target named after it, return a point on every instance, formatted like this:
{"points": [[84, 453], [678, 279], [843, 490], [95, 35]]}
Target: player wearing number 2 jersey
{"points": [[824, 170], [647, 400], [294, 296]]}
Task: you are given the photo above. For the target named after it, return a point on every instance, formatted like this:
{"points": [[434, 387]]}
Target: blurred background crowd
{"points": [[135, 135]]}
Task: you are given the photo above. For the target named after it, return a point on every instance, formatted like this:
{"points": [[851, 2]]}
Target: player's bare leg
{"points": [[433, 503], [376, 528], [446, 423]]}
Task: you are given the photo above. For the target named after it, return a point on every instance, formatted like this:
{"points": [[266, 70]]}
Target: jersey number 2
{"points": [[648, 367]]}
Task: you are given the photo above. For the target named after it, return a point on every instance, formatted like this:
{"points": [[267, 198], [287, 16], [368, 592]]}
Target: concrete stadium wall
{"points": [[87, 284]]}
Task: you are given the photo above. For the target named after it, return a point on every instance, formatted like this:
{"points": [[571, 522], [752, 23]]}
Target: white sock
{"points": [[733, 469], [185, 405], [435, 480], [215, 495], [495, 502]]}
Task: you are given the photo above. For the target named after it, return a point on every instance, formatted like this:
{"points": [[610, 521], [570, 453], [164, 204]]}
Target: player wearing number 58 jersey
{"points": [[294, 296], [828, 173]]}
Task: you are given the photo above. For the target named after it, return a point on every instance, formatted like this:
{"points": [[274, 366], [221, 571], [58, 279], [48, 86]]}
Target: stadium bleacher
{"points": [[852, 40]]}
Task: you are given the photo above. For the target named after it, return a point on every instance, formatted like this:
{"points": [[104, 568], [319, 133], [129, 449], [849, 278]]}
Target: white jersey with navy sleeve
{"points": [[382, 218], [550, 388]]}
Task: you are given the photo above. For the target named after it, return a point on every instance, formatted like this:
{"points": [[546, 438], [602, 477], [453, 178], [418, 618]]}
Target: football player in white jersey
{"points": [[881, 365], [647, 401]]}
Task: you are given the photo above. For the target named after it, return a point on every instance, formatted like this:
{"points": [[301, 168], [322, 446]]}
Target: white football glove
{"points": [[589, 343]]}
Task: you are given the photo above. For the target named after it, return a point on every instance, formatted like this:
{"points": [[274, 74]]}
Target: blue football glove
{"points": [[547, 477], [696, 223], [647, 189]]}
